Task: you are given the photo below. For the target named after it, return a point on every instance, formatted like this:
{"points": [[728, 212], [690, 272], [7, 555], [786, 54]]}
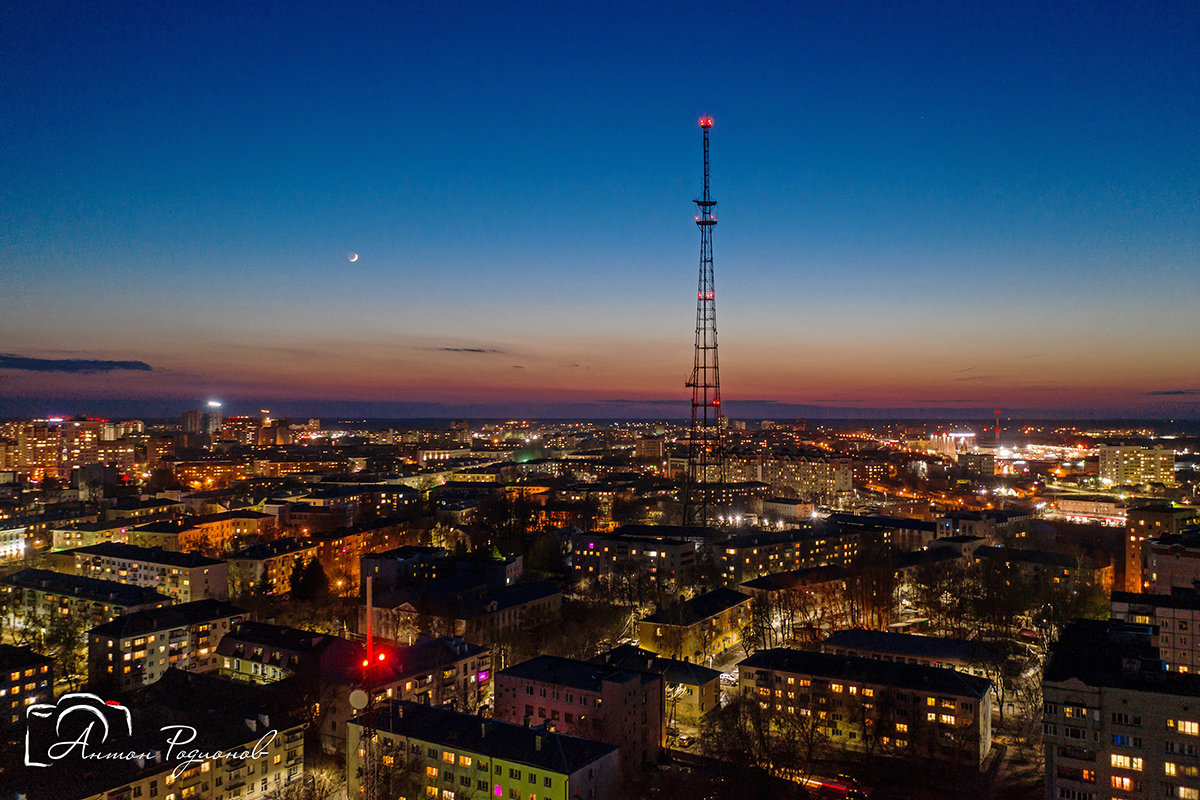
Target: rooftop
{"points": [[187, 523], [794, 579], [700, 607], [1028, 556], [157, 619], [880, 521], [1115, 655], [152, 555], [553, 752], [13, 657], [628, 656], [271, 549], [913, 677], [86, 588], [584, 675], [909, 644], [281, 637], [1180, 597]]}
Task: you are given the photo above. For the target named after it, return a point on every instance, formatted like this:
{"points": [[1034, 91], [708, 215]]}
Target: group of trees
{"points": [[997, 599], [62, 637], [863, 595]]}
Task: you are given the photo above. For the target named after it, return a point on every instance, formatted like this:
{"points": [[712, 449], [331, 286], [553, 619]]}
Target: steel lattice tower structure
{"points": [[706, 457]]}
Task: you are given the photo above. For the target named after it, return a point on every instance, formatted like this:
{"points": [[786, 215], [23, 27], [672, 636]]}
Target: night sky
{"points": [[922, 206]]}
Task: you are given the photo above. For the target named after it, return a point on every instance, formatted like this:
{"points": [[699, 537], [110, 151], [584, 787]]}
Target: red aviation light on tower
{"points": [[706, 122]]}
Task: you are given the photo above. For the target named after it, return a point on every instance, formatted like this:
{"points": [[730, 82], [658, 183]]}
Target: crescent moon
{"points": [[353, 257]]}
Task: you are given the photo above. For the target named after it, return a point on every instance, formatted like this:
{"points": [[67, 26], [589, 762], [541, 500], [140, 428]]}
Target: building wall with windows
{"points": [[445, 755], [26, 677], [1115, 724], [901, 710], [183, 577], [137, 649], [622, 707], [1122, 465]]}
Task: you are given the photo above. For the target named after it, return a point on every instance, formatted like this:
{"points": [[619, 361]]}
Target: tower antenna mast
{"points": [[706, 456]]}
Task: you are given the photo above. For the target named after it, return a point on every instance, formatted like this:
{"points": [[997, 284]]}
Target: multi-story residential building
{"points": [[36, 594], [258, 652], [134, 511], [610, 704], [1116, 723], [1175, 618], [225, 722], [137, 649], [903, 710], [88, 533], [902, 533], [444, 671], [26, 677], [340, 548], [1129, 465], [977, 466], [209, 534], [12, 541], [466, 608], [446, 754], [241, 429], [1171, 560], [267, 567], [1149, 521], [808, 478], [746, 556], [183, 577], [964, 655], [787, 510], [692, 690], [697, 629], [210, 473], [39, 527], [414, 564], [651, 449], [658, 550], [53, 447]]}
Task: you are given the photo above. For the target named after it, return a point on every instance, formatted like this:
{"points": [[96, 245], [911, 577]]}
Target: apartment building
{"points": [[1175, 618], [39, 593], [137, 649], [444, 754], [267, 567], [697, 629], [901, 710], [183, 577], [26, 677], [609, 704], [656, 550], [1116, 722]]}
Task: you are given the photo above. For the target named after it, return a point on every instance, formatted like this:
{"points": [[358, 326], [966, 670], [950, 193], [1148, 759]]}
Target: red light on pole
{"points": [[706, 122]]}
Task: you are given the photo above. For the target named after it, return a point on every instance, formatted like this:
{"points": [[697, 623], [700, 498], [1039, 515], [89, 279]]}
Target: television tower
{"points": [[706, 457]]}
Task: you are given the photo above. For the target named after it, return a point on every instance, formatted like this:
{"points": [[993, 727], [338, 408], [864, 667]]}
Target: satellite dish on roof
{"points": [[358, 699]]}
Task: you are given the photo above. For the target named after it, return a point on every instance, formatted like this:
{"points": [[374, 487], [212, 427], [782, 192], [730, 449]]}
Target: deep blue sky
{"points": [[921, 204]]}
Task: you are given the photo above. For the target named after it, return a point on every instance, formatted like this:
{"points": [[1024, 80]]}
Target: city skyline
{"points": [[940, 211]]}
